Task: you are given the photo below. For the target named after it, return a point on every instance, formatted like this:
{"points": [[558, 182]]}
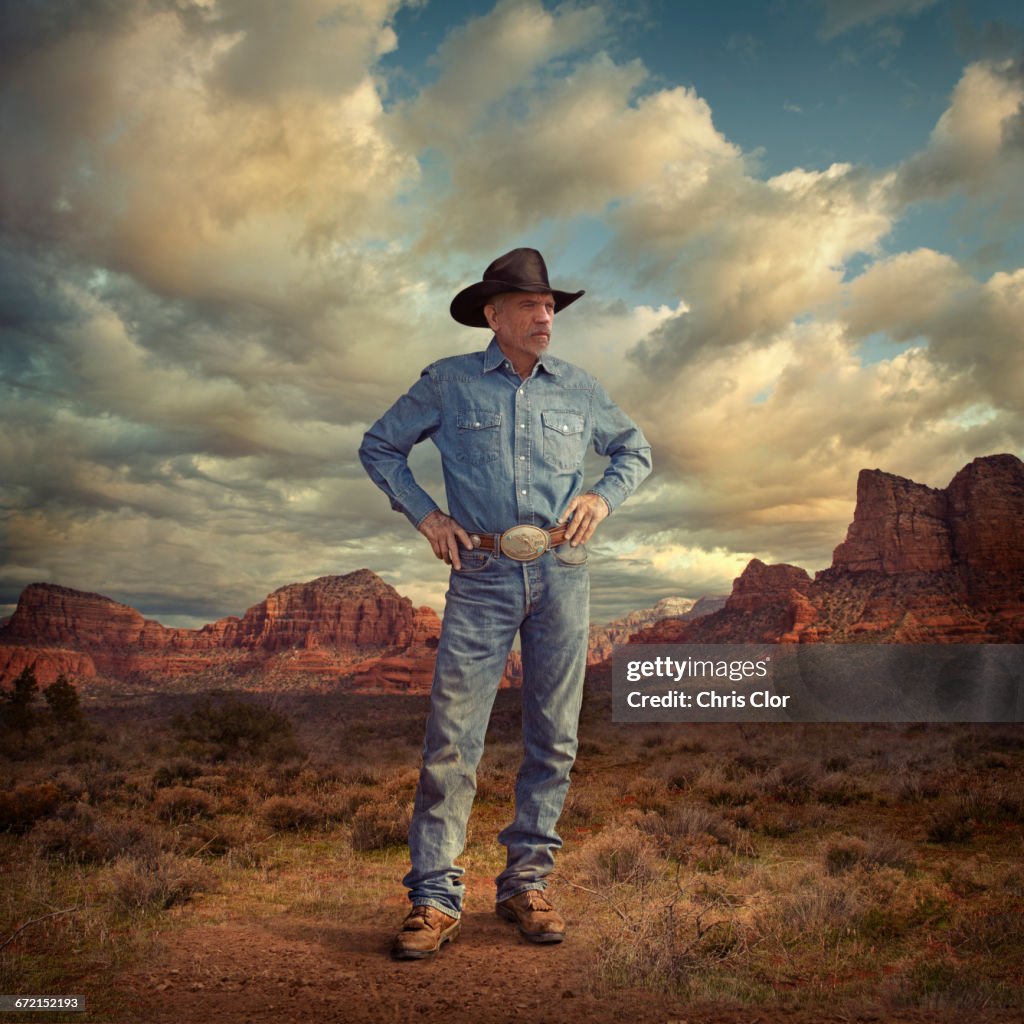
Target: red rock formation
{"points": [[339, 620], [919, 565], [899, 526], [48, 663]]}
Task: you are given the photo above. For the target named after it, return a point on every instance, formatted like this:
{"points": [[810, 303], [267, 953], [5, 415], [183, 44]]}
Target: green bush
{"points": [[235, 727]]}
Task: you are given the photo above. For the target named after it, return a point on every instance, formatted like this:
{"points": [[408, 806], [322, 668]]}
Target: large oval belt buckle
{"points": [[524, 543]]}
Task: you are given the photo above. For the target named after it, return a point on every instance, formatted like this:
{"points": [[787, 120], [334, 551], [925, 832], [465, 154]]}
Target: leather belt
{"points": [[520, 543]]}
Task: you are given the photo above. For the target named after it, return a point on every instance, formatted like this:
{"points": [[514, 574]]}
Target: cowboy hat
{"points": [[521, 270]]}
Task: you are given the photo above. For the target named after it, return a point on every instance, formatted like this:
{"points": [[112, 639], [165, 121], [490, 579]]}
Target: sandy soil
{"points": [[287, 969]]}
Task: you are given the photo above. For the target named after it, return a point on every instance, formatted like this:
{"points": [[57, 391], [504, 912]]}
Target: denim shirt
{"points": [[511, 449]]}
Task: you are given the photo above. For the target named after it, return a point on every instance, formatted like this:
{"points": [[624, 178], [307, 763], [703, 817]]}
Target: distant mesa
{"points": [[677, 609], [919, 565], [354, 627]]}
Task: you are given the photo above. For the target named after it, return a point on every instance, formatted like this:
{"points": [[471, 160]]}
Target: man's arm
{"points": [[384, 454]]}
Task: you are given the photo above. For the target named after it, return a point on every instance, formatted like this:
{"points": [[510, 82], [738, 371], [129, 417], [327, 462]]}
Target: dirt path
{"points": [[243, 971]]}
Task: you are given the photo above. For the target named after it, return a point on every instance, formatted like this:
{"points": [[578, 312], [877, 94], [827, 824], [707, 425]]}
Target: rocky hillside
{"points": [[680, 609], [354, 626], [919, 565]]}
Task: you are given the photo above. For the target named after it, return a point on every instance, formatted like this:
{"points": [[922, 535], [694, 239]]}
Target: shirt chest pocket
{"points": [[564, 440], [478, 436]]}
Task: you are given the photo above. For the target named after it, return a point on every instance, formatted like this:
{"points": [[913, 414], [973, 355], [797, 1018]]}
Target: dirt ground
{"points": [[287, 970]]}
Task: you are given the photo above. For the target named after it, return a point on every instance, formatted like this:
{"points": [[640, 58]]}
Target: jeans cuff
{"points": [[437, 905], [536, 886]]}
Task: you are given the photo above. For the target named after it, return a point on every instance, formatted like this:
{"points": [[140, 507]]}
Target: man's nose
{"points": [[544, 315]]}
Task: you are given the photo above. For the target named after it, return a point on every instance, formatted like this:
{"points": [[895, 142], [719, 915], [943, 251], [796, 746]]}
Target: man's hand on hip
{"points": [[584, 512], [445, 535]]}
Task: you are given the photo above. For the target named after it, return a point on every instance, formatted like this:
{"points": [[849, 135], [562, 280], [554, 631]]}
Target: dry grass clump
{"points": [[377, 826], [619, 856], [182, 803], [83, 835], [844, 853], [292, 813], [715, 786], [23, 806], [159, 882]]}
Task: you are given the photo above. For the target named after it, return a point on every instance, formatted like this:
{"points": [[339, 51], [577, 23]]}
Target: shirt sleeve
{"points": [[622, 441], [384, 452]]}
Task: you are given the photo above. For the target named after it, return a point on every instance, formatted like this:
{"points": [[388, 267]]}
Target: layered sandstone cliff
{"points": [[334, 626], [919, 565]]}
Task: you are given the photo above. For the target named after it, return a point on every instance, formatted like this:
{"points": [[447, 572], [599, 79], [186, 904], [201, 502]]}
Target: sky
{"points": [[230, 231]]}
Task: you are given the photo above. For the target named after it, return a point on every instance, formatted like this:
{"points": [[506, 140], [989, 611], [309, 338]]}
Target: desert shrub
{"points": [[623, 855], [376, 826], [174, 772], [582, 807], [791, 782], [200, 838], [233, 727], [154, 883], [954, 822], [83, 836], [678, 947], [844, 853], [944, 984], [22, 806], [291, 814], [182, 803], [840, 790]]}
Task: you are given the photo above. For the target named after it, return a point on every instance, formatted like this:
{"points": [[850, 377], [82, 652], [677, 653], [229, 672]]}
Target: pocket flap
{"points": [[477, 419], [563, 422]]}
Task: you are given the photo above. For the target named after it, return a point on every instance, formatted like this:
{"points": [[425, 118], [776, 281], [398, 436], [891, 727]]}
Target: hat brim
{"points": [[468, 306]]}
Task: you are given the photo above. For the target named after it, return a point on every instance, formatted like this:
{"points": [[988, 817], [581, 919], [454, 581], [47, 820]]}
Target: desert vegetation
{"points": [[801, 866]]}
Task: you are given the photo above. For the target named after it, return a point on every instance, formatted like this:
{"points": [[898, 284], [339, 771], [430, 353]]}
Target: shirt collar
{"points": [[494, 357]]}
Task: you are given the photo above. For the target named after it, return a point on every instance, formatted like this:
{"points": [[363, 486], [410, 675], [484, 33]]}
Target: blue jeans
{"points": [[491, 598]]}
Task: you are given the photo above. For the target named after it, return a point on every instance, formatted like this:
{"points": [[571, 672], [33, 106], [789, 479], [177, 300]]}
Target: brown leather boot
{"points": [[538, 921], [424, 931]]}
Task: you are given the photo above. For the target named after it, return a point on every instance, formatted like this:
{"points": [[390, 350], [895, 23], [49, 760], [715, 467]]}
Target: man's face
{"points": [[521, 322]]}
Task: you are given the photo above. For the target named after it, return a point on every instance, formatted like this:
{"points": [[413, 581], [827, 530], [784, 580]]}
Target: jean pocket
{"points": [[473, 561], [479, 436], [566, 554], [563, 438]]}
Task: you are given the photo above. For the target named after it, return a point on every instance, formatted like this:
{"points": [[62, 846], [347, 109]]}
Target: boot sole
{"points": [[449, 935], [538, 937]]}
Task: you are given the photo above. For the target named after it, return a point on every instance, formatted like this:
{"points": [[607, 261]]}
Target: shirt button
{"points": [[522, 426], [523, 491], [477, 424]]}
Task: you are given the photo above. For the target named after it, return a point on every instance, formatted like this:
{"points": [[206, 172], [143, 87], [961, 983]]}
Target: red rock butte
{"points": [[354, 626], [919, 565]]}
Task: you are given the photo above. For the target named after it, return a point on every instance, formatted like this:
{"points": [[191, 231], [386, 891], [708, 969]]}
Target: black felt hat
{"points": [[521, 270]]}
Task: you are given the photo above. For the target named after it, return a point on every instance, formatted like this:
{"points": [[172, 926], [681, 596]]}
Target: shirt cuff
{"points": [[416, 505]]}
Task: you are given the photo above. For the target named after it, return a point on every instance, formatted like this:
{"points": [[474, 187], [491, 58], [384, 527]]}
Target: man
{"points": [[512, 424]]}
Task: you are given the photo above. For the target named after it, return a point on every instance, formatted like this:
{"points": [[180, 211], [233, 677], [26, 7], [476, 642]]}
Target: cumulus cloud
{"points": [[224, 254], [976, 147], [131, 156], [973, 328], [748, 256]]}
